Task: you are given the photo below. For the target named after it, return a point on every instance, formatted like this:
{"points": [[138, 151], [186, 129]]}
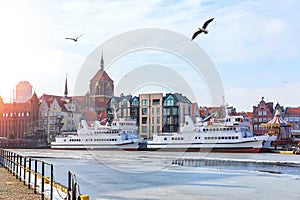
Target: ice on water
{"points": [[151, 175]]}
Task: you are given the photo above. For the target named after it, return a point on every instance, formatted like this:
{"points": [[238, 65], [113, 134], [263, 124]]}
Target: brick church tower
{"points": [[101, 90]]}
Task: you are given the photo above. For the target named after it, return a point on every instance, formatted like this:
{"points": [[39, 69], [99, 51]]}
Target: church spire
{"points": [[102, 62], [66, 87]]}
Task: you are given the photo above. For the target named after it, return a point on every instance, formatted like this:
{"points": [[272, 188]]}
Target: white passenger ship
{"points": [[218, 134], [120, 134]]}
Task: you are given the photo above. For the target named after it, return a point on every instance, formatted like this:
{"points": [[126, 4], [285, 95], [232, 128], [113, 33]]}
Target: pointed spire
{"points": [[66, 87], [102, 62]]}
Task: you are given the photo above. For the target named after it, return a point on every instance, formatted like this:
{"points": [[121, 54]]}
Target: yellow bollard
{"points": [[84, 197]]}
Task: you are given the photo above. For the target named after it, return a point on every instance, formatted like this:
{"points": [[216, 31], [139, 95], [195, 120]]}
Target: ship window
{"points": [[165, 138], [236, 137], [222, 138], [225, 138], [229, 137]]}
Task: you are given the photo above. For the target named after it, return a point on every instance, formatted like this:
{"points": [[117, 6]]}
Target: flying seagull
{"points": [[203, 29], [74, 39]]}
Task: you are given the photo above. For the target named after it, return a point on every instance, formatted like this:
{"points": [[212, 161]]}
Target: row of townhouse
{"points": [[154, 113]]}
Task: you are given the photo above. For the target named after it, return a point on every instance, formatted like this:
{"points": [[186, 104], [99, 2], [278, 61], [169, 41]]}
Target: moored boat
{"points": [[120, 134], [220, 133]]}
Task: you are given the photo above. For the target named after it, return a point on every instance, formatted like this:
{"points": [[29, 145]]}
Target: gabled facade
{"points": [[262, 113], [58, 114], [101, 88], [135, 109], [119, 107]]}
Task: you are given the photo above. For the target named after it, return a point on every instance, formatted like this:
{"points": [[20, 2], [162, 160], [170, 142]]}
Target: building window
{"points": [[158, 111], [158, 129], [158, 120], [264, 113], [169, 101], [144, 129], [259, 113], [166, 111], [155, 101], [264, 119], [144, 102], [255, 127], [124, 102], [144, 120], [255, 120], [135, 102], [175, 111], [152, 111], [259, 120], [144, 111]]}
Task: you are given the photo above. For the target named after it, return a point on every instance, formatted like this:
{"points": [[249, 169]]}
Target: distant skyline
{"points": [[254, 44]]}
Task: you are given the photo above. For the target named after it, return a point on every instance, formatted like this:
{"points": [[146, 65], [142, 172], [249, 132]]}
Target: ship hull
{"points": [[254, 146], [132, 146]]}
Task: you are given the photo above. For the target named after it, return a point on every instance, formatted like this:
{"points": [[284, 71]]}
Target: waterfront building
{"points": [[58, 114], [119, 106], [262, 113], [154, 112], [135, 109], [175, 107], [150, 114], [101, 89], [23, 91], [19, 120], [292, 116]]}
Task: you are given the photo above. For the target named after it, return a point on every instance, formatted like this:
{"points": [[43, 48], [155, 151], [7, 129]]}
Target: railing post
{"points": [[69, 185], [51, 186], [43, 179], [14, 164], [29, 173], [35, 175], [24, 170], [20, 167], [17, 166]]}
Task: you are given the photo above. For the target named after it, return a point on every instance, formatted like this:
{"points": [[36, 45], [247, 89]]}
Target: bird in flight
{"points": [[203, 29], [74, 39]]}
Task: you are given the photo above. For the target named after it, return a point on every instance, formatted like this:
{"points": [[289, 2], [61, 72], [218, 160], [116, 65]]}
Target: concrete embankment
{"points": [[12, 188]]}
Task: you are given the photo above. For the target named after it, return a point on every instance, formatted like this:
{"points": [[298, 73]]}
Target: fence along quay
{"points": [[38, 175]]}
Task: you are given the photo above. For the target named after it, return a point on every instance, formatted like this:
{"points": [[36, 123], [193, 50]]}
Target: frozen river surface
{"points": [[151, 175]]}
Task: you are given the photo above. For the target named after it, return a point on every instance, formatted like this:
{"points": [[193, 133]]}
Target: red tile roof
{"points": [[292, 111], [101, 75]]}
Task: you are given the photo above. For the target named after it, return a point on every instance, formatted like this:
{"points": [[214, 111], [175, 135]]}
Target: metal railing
{"points": [[36, 173]]}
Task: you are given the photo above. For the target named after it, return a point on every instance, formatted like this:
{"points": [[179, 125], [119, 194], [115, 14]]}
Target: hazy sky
{"points": [[254, 44]]}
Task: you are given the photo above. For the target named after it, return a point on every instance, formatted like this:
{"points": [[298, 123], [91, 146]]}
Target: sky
{"points": [[254, 45]]}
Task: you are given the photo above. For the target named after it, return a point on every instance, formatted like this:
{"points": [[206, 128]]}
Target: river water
{"points": [[152, 175]]}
